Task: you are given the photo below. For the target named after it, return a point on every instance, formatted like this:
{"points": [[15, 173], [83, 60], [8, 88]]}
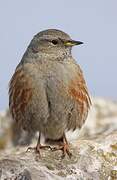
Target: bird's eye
{"points": [[55, 42]]}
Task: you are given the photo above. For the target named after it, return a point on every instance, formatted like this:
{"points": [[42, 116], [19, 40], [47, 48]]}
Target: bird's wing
{"points": [[27, 96], [78, 88], [20, 93], [79, 93]]}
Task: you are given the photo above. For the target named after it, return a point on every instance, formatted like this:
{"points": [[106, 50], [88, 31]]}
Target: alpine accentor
{"points": [[48, 92]]}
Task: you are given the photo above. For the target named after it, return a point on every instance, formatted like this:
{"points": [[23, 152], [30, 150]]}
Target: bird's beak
{"points": [[72, 43]]}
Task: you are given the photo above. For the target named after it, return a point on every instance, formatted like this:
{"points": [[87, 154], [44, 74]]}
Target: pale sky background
{"points": [[92, 21]]}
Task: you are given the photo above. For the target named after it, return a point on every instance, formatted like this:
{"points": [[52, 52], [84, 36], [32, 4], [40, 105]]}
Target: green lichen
{"points": [[2, 143], [49, 166], [114, 146], [114, 174], [61, 174]]}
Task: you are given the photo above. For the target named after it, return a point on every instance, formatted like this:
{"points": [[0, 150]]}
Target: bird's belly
{"points": [[53, 130], [66, 111], [58, 111], [63, 119]]}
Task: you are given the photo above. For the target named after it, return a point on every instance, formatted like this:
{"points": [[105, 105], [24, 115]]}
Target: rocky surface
{"points": [[102, 118], [94, 150]]}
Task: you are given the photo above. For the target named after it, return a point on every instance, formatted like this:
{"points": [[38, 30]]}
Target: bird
{"points": [[47, 92]]}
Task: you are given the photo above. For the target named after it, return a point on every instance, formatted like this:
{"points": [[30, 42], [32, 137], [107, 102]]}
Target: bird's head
{"points": [[53, 42]]}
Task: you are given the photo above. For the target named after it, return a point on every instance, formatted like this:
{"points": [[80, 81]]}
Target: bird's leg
{"points": [[39, 146], [64, 147]]}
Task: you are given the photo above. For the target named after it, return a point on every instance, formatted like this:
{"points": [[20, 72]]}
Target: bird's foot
{"points": [[64, 148], [37, 148]]}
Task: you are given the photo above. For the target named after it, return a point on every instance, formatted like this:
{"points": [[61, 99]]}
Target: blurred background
{"points": [[93, 22]]}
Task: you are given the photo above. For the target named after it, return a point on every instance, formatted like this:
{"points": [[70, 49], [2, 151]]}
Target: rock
{"points": [[92, 160], [102, 118], [5, 123], [94, 150], [11, 133]]}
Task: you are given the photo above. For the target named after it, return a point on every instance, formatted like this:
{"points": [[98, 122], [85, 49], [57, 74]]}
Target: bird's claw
{"points": [[64, 148]]}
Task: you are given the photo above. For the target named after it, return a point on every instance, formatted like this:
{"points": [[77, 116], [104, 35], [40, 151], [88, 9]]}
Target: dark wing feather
{"points": [[20, 93], [79, 93]]}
